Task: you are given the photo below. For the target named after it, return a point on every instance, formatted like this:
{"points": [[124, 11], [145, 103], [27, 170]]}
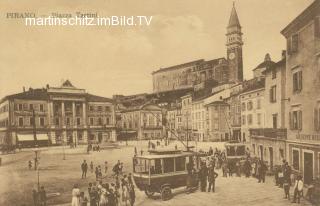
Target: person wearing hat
{"points": [[298, 188], [212, 175]]}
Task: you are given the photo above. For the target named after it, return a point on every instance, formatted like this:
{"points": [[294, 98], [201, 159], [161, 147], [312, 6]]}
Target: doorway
{"points": [[100, 137], [307, 167], [261, 152], [271, 158]]}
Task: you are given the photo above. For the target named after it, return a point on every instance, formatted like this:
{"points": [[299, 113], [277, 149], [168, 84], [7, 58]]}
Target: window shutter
{"points": [[317, 27], [289, 45], [270, 94], [300, 120], [290, 120], [295, 82], [316, 120], [300, 80]]}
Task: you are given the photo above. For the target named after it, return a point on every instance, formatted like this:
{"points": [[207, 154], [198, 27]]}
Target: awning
{"points": [[30, 137]]}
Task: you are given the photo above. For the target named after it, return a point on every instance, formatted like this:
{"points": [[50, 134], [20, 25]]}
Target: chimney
{"points": [[283, 54], [48, 86], [24, 89]]}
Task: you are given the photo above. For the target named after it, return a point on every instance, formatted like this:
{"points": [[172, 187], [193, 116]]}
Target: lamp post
{"points": [[37, 154], [34, 128], [64, 154]]}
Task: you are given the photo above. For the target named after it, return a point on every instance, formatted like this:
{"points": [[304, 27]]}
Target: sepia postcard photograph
{"points": [[159, 102]]}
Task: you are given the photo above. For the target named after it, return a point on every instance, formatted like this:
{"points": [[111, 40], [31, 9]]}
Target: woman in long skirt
{"points": [[75, 196]]}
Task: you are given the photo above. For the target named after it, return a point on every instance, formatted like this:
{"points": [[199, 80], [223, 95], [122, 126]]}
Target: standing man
{"points": [[84, 168], [247, 167], [203, 175], [212, 175], [262, 172]]}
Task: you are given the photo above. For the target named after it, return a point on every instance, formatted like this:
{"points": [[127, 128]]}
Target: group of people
{"points": [[284, 178], [117, 169], [39, 197], [95, 147], [35, 164], [208, 175], [121, 192]]}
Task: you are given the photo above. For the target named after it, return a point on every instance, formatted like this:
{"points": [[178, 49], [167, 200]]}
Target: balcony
{"points": [[269, 133]]}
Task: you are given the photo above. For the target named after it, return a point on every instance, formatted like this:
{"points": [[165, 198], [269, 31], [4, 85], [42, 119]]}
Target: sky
{"points": [[119, 60]]}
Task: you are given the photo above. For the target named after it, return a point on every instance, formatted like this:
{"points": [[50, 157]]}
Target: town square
{"points": [[212, 103]]}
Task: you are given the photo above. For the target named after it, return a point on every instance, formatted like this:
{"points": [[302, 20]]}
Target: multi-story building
{"points": [[212, 70], [186, 110], [252, 107], [219, 69], [57, 115], [217, 117], [144, 122], [174, 122], [198, 119], [302, 92], [174, 77], [235, 111], [269, 143]]}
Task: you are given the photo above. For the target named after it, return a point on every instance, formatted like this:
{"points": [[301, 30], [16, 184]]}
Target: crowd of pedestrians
{"points": [[120, 191], [285, 179]]}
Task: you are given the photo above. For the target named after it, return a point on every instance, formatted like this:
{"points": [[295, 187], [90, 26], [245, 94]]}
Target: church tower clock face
{"points": [[232, 55]]}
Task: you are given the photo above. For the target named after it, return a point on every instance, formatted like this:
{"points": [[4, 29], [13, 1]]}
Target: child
{"points": [[286, 188]]}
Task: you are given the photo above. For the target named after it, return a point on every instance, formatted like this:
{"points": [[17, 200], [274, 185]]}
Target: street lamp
{"points": [[63, 149], [36, 165]]}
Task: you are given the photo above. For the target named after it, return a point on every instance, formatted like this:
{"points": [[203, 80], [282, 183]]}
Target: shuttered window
{"points": [[295, 120], [273, 94], [297, 81]]}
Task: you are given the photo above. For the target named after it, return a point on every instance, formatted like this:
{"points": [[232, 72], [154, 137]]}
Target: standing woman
{"points": [[103, 196], [132, 194], [125, 193], [75, 196]]}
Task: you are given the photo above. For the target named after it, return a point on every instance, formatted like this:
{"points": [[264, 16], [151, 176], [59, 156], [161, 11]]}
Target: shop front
{"points": [[304, 158]]}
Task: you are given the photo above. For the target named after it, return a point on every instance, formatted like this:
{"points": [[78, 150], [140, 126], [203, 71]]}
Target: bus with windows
{"points": [[163, 171]]}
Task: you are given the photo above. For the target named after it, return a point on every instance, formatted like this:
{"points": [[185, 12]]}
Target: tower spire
{"points": [[234, 20]]}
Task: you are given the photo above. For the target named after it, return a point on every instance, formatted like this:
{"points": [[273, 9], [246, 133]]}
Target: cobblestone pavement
{"points": [[229, 191]]}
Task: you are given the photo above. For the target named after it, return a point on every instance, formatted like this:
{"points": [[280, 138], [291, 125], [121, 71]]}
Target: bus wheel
{"points": [[166, 193], [148, 192]]}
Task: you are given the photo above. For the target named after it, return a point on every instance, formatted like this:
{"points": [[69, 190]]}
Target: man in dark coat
{"points": [[84, 168], [262, 171], [247, 168], [203, 176], [212, 175]]}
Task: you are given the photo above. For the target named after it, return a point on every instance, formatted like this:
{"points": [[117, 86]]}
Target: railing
{"points": [[269, 132]]}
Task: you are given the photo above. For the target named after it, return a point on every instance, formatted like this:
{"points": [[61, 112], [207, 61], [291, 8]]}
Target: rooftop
{"points": [[179, 66], [234, 20]]}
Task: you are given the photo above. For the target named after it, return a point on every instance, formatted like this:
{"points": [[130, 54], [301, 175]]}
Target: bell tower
{"points": [[234, 47]]}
